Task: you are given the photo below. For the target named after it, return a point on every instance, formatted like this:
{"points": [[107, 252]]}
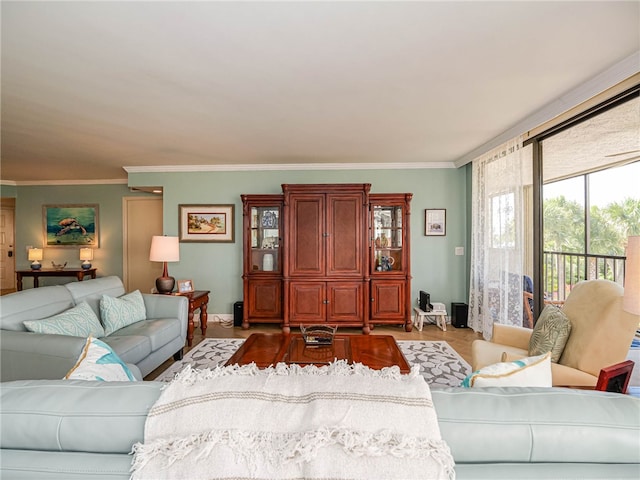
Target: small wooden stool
{"points": [[420, 315]]}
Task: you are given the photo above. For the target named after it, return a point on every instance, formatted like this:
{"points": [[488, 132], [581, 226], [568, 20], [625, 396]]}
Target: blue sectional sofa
{"points": [[57, 429], [144, 345]]}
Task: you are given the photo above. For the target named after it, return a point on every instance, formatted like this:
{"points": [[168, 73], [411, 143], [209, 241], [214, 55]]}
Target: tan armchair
{"points": [[601, 334]]}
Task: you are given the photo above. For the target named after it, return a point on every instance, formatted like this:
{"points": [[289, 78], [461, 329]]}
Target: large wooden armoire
{"points": [[326, 253]]}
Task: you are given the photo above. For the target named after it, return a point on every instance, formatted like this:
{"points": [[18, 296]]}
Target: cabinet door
{"points": [[264, 299], [387, 299], [344, 235], [306, 235], [387, 232], [264, 239], [345, 301], [307, 302]]}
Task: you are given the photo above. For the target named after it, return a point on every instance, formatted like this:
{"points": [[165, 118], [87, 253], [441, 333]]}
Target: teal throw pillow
{"points": [[79, 321], [119, 312], [98, 361], [550, 333]]}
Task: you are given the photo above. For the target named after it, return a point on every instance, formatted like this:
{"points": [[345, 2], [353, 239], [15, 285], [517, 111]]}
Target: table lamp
{"points": [[35, 255], [86, 254], [164, 249], [631, 299]]}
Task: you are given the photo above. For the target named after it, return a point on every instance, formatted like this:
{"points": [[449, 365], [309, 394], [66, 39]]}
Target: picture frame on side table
{"points": [[615, 378], [206, 223], [435, 222], [185, 286], [70, 225]]}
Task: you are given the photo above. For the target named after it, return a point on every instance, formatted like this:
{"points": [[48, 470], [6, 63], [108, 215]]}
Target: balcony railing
{"points": [[561, 271]]}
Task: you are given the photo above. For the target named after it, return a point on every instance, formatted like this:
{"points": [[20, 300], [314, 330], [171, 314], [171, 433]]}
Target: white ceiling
{"points": [[91, 87]]}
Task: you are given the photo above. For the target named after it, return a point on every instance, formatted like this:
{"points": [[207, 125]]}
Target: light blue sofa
{"points": [[145, 345], [57, 429]]}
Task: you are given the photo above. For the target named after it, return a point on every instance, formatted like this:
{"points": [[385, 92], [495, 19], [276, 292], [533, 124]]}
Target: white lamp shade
{"points": [[631, 300], [164, 249], [35, 254], [86, 253]]}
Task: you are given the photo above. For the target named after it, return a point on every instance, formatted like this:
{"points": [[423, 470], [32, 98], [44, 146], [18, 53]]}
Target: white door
{"points": [[7, 248], [142, 219]]}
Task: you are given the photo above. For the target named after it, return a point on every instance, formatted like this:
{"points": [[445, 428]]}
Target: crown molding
{"points": [[112, 181], [286, 166]]}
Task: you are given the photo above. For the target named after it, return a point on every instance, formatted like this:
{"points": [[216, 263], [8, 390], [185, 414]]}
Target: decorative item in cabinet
{"points": [[265, 238], [388, 238]]}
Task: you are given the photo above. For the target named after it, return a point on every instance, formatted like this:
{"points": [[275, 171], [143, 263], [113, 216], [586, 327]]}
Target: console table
{"points": [[79, 273]]}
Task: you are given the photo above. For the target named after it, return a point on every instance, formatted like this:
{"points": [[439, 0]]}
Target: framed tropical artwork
{"points": [[206, 223], [70, 225]]}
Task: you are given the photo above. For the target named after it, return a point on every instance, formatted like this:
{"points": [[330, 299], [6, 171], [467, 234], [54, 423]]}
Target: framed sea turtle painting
{"points": [[70, 225]]}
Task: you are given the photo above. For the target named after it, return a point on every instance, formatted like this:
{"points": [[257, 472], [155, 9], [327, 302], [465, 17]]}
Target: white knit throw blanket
{"points": [[333, 422]]}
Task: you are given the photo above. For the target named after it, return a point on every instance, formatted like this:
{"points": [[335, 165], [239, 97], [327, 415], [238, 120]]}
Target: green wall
{"points": [[8, 191], [218, 267], [29, 226]]}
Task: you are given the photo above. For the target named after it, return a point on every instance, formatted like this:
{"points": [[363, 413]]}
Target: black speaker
{"points": [[238, 312], [459, 313], [424, 301]]}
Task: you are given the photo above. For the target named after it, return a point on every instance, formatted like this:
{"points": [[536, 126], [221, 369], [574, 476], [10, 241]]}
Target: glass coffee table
{"points": [[374, 351]]}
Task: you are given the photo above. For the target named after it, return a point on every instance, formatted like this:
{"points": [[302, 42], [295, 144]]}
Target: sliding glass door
{"points": [[590, 196]]}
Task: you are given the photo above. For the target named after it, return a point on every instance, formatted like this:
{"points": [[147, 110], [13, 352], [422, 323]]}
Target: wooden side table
{"points": [[198, 300], [79, 273]]}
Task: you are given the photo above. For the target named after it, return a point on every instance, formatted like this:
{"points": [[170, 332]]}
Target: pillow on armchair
{"points": [[524, 372], [550, 333]]}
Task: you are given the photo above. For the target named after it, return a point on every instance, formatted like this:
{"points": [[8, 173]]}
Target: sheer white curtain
{"points": [[497, 243]]}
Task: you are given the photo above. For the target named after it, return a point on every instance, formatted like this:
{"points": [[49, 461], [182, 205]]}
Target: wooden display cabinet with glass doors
{"points": [[390, 293], [262, 269]]}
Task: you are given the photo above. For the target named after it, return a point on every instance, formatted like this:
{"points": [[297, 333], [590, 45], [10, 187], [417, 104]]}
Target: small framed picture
{"points": [[185, 286], [615, 378], [206, 223], [435, 222]]}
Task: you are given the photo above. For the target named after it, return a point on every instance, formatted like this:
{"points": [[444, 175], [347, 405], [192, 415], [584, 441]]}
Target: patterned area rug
{"points": [[441, 366]]}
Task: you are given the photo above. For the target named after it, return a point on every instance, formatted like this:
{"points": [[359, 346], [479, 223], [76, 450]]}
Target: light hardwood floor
{"points": [[459, 339]]}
